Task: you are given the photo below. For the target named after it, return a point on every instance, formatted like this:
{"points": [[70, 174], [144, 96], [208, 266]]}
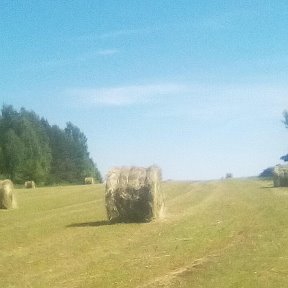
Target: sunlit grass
{"points": [[215, 234]]}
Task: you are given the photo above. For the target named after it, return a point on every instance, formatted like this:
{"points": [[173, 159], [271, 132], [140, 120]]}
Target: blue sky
{"points": [[197, 87]]}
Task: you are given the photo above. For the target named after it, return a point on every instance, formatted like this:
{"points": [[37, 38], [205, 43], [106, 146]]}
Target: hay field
{"points": [[216, 234]]}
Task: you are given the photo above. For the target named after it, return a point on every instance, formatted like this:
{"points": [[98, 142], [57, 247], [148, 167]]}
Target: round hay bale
{"points": [[133, 194], [229, 175], [89, 180], [112, 180], [276, 178], [30, 185], [154, 177], [280, 176], [7, 196]]}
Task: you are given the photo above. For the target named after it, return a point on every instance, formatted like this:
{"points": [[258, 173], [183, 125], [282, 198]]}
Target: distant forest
{"points": [[32, 149]]}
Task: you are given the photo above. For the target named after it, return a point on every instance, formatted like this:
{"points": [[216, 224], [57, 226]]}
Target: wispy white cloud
{"points": [[107, 52], [59, 62], [205, 23], [114, 34], [185, 95], [125, 32], [126, 95], [82, 58]]}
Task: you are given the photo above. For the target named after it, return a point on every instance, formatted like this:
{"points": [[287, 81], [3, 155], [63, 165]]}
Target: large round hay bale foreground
{"points": [[7, 196], [280, 176], [133, 194]]}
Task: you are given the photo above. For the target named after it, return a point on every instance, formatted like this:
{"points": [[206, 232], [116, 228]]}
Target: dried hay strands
{"points": [[30, 185], [280, 176], [89, 180], [133, 194], [7, 196]]}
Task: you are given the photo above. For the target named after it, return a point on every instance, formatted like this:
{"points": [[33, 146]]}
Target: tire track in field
{"points": [[191, 200]]}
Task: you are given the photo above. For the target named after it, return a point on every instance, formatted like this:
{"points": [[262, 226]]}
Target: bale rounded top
{"points": [[133, 177], [6, 182], [280, 176], [280, 170]]}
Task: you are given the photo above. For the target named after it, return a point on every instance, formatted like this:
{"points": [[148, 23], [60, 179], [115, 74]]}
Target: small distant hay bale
{"points": [[89, 180], [30, 185], [229, 175], [7, 195], [133, 194], [280, 176]]}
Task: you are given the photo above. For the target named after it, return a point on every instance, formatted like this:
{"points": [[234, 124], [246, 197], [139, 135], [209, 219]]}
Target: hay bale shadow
{"points": [[268, 187], [90, 224]]}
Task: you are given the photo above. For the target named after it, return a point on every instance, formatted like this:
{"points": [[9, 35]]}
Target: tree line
{"points": [[32, 149], [268, 172], [285, 121]]}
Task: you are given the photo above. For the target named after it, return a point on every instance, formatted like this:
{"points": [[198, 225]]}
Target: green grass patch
{"points": [[214, 234]]}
